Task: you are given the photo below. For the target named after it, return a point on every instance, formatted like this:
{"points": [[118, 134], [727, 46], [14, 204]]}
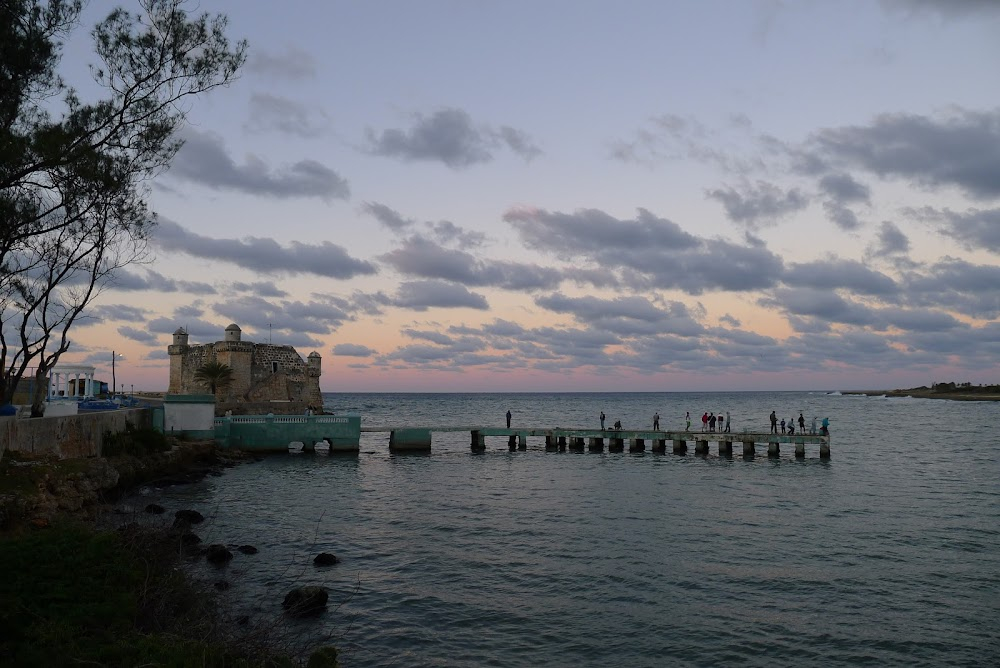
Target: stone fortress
{"points": [[266, 378]]}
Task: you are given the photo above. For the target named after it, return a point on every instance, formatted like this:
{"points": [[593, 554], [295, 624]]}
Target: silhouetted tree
{"points": [[73, 175]]}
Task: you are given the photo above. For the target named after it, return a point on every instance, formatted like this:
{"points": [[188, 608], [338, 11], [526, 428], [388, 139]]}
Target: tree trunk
{"points": [[40, 391]]}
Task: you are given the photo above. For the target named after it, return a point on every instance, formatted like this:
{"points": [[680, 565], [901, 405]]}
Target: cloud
{"points": [[759, 205], [422, 295], [262, 315], [843, 188], [140, 335], [150, 280], [264, 255], [891, 241], [203, 160], [279, 114], [291, 64], [448, 136], [835, 274], [647, 252], [260, 288], [425, 259], [353, 350], [974, 229], [387, 216], [960, 150], [444, 231]]}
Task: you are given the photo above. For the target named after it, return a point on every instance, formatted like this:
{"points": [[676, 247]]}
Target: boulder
{"points": [[189, 516], [155, 509], [247, 549], [218, 554], [325, 559], [305, 601]]}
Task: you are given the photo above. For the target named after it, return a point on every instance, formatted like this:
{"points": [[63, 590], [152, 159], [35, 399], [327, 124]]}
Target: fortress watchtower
{"points": [[315, 363], [176, 352]]}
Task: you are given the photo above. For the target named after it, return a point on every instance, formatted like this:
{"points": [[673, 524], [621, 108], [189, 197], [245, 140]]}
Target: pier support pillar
{"points": [[772, 449], [748, 448], [659, 445], [596, 444], [410, 440], [680, 446], [478, 441], [562, 444], [800, 449], [616, 445], [701, 447], [522, 442], [725, 447], [551, 444], [576, 443], [824, 450], [637, 445]]}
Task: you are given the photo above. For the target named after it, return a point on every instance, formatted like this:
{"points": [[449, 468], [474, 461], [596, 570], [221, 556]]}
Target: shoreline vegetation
{"points": [[90, 586], [952, 391]]}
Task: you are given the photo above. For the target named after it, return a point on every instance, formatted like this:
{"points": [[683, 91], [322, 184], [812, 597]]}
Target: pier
{"points": [[417, 439]]}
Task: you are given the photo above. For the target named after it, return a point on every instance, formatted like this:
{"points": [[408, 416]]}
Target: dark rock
{"points": [[190, 538], [155, 509], [221, 585], [243, 620], [325, 559], [215, 474], [218, 554], [305, 601], [189, 516], [247, 549]]}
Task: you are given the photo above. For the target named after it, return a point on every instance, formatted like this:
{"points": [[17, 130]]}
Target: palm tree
{"points": [[215, 375]]}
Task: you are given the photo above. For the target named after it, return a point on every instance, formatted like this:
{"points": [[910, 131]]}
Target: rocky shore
{"points": [[37, 490], [54, 516], [976, 393]]}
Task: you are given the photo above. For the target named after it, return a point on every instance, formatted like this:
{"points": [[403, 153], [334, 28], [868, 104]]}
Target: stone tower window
{"points": [[274, 367]]}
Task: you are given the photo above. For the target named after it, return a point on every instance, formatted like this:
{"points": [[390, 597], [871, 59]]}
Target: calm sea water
{"points": [[886, 554]]}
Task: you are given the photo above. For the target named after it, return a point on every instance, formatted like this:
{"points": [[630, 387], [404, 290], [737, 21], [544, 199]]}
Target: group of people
{"points": [[789, 426], [710, 422]]}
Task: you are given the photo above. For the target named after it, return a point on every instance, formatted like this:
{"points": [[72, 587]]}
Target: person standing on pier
{"points": [[782, 425], [774, 423], [812, 429], [711, 422], [802, 423], [825, 428], [704, 421], [687, 418], [656, 421], [727, 422], [602, 420], [508, 419]]}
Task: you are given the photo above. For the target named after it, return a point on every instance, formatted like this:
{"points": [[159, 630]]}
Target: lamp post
{"points": [[113, 385]]}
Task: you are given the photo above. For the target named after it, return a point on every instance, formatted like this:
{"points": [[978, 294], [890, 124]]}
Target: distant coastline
{"points": [[952, 391]]}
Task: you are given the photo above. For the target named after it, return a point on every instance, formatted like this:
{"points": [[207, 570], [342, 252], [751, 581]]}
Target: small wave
{"points": [[835, 393]]}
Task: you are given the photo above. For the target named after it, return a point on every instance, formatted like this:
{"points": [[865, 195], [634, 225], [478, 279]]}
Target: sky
{"points": [[582, 195]]}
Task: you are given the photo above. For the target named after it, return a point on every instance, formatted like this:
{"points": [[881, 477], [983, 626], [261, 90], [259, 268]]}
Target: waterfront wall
{"points": [[68, 436]]}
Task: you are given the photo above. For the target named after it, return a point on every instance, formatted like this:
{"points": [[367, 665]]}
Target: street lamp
{"points": [[113, 386]]}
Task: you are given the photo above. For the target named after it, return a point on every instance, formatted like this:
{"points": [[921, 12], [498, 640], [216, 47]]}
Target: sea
{"points": [[885, 554]]}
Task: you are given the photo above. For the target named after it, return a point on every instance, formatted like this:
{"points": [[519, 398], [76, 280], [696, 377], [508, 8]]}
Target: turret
{"points": [[180, 337], [315, 363], [233, 333]]}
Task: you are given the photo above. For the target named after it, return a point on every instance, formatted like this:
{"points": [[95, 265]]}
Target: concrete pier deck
{"points": [[595, 440]]}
